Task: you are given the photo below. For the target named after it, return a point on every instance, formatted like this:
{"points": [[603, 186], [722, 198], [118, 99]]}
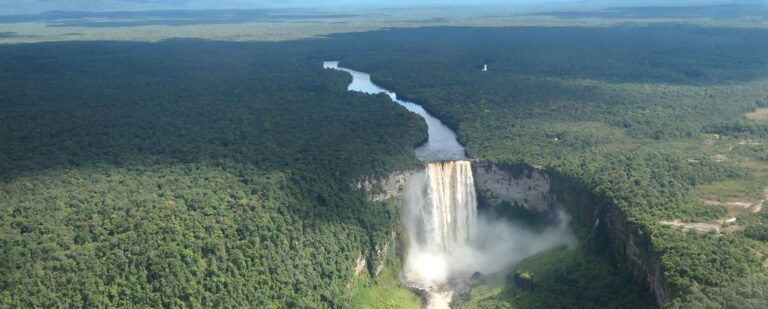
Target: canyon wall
{"points": [[537, 191], [381, 189], [527, 188]]}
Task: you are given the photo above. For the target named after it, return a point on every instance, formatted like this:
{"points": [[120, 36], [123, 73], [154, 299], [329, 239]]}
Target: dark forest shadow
{"points": [[71, 103], [675, 54]]}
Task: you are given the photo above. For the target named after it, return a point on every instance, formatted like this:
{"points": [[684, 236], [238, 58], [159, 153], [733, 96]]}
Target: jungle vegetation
{"points": [[188, 174], [217, 174], [661, 121]]}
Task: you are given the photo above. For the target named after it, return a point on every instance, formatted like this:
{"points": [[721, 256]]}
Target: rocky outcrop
{"points": [[380, 189], [537, 191], [527, 188], [383, 188], [634, 252], [360, 265], [381, 254]]}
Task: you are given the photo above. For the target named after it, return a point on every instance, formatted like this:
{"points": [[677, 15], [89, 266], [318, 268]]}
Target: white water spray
{"points": [[450, 209], [449, 242]]}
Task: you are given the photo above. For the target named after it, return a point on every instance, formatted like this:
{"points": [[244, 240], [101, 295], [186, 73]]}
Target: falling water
{"points": [[441, 218], [449, 243], [449, 207]]}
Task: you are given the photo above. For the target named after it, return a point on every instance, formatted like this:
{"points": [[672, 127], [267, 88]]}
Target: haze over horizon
{"points": [[415, 154], [41, 6]]}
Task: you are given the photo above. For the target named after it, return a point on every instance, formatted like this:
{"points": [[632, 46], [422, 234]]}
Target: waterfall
{"points": [[441, 217], [448, 242], [449, 211]]}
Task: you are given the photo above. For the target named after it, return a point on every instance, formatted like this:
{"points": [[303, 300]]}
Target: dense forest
{"points": [[211, 174], [650, 118], [188, 173]]}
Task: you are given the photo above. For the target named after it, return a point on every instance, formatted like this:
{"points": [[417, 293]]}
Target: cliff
{"points": [[538, 191], [381, 189], [527, 188]]}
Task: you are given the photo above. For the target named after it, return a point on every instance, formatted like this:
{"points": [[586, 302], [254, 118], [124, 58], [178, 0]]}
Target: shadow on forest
{"points": [[178, 101], [675, 54], [76, 103]]}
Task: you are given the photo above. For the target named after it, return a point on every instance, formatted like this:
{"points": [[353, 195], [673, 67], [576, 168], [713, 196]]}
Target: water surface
{"points": [[441, 144]]}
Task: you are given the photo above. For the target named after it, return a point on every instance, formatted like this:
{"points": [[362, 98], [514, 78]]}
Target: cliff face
{"points": [[527, 188], [635, 253], [383, 188], [380, 189], [537, 191]]}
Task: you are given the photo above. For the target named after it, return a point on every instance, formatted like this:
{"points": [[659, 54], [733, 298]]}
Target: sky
{"points": [[12, 7]]}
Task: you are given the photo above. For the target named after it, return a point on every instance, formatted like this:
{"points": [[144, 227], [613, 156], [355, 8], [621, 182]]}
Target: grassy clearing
{"points": [[561, 278], [760, 114], [384, 292], [731, 191], [759, 168], [492, 293]]}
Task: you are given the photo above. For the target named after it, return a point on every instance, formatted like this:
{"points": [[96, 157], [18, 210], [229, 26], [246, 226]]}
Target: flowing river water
{"points": [[441, 145], [448, 242], [440, 202]]}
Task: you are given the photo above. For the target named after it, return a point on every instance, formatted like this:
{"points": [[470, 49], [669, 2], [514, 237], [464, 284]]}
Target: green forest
{"points": [[192, 173], [188, 174], [650, 118]]}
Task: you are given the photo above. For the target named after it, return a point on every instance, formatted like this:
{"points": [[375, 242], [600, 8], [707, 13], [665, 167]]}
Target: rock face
{"points": [[383, 188], [634, 252], [359, 265], [527, 188], [380, 189], [536, 191], [381, 254]]}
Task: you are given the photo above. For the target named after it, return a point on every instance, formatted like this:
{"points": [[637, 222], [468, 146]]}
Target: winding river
{"points": [[441, 144], [450, 242]]}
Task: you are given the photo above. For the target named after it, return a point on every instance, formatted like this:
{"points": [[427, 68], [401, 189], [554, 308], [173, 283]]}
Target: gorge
{"points": [[450, 244], [453, 157]]}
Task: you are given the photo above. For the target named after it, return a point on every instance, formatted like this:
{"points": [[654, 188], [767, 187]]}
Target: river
{"points": [[449, 241], [441, 144]]}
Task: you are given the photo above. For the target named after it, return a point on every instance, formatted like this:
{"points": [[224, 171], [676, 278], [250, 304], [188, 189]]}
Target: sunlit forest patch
{"points": [[760, 114]]}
